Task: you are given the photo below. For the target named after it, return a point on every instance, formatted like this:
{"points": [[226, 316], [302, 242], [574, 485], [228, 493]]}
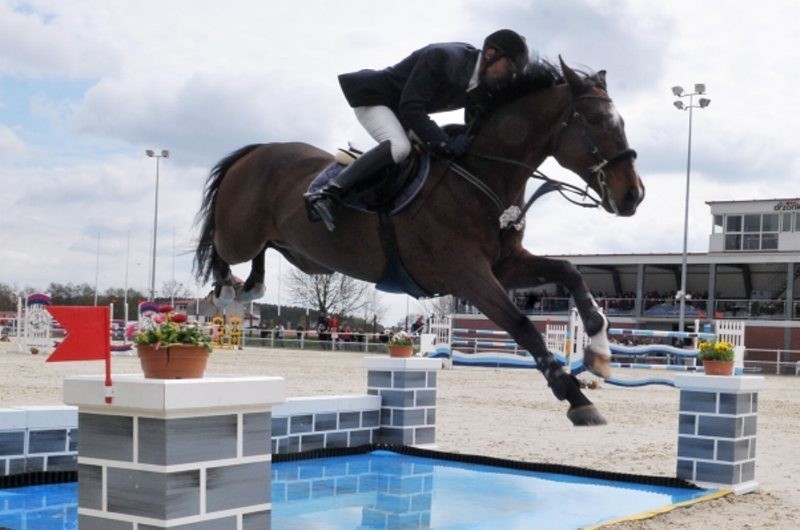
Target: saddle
{"points": [[389, 190], [384, 194]]}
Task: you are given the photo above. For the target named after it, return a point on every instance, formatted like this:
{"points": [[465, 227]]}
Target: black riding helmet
{"points": [[509, 44]]}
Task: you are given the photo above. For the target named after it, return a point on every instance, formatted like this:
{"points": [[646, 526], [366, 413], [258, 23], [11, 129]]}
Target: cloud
{"points": [[11, 146], [619, 37], [206, 116], [37, 40]]}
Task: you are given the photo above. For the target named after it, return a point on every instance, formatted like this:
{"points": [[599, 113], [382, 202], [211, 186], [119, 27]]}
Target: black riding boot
{"points": [[322, 204]]}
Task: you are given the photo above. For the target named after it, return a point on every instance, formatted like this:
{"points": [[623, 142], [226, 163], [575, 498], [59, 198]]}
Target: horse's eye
{"points": [[595, 119]]}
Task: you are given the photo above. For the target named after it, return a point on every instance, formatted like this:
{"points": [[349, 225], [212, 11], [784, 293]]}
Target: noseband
{"points": [[596, 171]]}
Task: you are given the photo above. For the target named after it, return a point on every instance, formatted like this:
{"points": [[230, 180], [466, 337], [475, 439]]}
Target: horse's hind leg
{"points": [[486, 293], [526, 270], [224, 291], [253, 287]]}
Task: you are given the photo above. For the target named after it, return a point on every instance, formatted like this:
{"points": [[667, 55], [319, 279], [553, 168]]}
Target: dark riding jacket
{"points": [[432, 79]]}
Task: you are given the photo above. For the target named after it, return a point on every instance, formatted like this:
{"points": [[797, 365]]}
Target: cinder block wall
{"points": [[307, 423], [38, 438]]}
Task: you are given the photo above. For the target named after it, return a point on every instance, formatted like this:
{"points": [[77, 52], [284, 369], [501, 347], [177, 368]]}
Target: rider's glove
{"points": [[457, 145]]}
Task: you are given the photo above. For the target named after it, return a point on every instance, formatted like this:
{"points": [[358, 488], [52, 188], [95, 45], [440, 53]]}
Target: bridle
{"points": [[596, 171], [513, 215]]}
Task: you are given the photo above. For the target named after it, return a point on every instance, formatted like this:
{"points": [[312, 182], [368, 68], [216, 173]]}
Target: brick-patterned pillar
{"points": [[407, 387], [190, 453], [717, 430]]}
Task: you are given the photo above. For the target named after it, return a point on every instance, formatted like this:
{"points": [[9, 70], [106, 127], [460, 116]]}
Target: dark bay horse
{"points": [[450, 238]]}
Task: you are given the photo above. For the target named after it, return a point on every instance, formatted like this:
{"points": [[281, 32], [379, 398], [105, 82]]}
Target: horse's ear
{"points": [[601, 78], [575, 82]]}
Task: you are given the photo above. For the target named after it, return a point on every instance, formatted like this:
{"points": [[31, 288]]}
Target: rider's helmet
{"points": [[509, 44]]}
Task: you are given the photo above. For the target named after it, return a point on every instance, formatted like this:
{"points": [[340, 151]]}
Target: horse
{"points": [[450, 238]]}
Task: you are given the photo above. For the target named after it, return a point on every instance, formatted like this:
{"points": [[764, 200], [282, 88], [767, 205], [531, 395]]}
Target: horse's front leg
{"points": [[527, 270], [488, 295]]}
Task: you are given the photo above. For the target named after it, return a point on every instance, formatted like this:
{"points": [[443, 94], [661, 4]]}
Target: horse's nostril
{"points": [[633, 195]]}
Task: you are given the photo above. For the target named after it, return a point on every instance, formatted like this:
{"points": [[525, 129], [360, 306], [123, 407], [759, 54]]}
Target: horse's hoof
{"points": [[597, 363], [225, 297], [256, 292], [585, 415]]}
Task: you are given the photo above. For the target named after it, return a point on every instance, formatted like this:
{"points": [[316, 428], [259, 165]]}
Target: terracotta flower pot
{"points": [[179, 361], [396, 350], [718, 367]]}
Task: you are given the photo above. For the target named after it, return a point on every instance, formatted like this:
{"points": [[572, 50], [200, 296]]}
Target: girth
{"points": [[395, 277]]}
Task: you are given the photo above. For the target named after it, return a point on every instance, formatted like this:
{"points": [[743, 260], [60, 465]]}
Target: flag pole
{"points": [[109, 390]]}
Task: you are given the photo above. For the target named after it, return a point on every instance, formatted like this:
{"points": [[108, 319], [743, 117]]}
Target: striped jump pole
{"points": [[724, 330]]}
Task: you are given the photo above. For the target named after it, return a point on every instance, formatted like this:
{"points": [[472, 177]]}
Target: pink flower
{"points": [[159, 319]]}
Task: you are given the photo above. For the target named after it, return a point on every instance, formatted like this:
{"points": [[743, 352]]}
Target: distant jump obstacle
{"points": [[723, 330], [33, 324], [226, 335], [481, 347]]}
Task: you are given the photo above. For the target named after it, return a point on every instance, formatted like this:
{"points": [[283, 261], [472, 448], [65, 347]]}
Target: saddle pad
{"points": [[401, 200]]}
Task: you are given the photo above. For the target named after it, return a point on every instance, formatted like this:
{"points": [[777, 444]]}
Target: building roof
{"points": [[748, 201], [719, 258]]}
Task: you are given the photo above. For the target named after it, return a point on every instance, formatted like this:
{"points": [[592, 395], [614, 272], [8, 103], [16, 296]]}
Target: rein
{"points": [[513, 215]]}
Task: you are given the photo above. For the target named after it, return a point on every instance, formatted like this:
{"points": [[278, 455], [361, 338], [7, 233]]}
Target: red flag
{"points": [[88, 333], [88, 337]]}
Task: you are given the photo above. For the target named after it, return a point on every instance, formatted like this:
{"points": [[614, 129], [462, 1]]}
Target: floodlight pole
{"points": [[703, 102], [164, 154]]}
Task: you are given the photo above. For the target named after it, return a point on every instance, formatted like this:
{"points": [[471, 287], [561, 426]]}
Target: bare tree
{"points": [[8, 297], [441, 306], [329, 293], [174, 289], [373, 310]]}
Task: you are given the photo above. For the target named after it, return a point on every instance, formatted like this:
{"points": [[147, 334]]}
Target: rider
{"points": [[435, 78]]}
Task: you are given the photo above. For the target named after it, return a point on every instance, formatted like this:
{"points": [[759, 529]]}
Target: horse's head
{"points": [[591, 142]]}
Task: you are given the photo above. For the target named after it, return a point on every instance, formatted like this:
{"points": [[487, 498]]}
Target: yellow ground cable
{"points": [[658, 511]]}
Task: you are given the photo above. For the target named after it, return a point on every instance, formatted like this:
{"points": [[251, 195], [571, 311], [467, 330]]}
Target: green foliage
{"points": [[401, 338], [713, 350], [168, 333]]}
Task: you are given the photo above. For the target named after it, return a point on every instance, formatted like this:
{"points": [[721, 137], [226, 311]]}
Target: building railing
{"points": [[747, 308], [313, 340], [772, 361], [738, 308]]}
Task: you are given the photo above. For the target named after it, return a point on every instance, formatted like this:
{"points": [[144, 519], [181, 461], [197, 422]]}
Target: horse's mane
{"points": [[538, 75]]}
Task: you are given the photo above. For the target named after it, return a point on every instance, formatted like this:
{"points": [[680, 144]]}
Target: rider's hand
{"points": [[456, 145]]}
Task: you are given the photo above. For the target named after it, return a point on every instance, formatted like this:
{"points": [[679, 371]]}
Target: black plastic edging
{"points": [[650, 480]]}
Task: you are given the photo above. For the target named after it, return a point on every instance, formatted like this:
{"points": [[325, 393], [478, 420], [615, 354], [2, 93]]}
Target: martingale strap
{"points": [[565, 189]]}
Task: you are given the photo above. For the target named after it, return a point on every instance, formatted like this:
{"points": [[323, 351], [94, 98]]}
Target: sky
{"points": [[87, 86]]}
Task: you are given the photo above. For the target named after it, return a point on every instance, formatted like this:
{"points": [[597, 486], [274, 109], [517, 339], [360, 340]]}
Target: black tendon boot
{"points": [[322, 204]]}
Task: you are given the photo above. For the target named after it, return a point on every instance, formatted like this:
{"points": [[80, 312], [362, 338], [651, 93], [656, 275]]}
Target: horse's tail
{"points": [[205, 256]]}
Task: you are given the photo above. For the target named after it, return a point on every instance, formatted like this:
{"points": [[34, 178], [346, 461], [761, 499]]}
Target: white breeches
{"points": [[382, 124]]}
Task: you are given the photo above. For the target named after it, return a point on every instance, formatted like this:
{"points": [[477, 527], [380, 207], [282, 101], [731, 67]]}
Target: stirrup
{"points": [[321, 206], [310, 199]]}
